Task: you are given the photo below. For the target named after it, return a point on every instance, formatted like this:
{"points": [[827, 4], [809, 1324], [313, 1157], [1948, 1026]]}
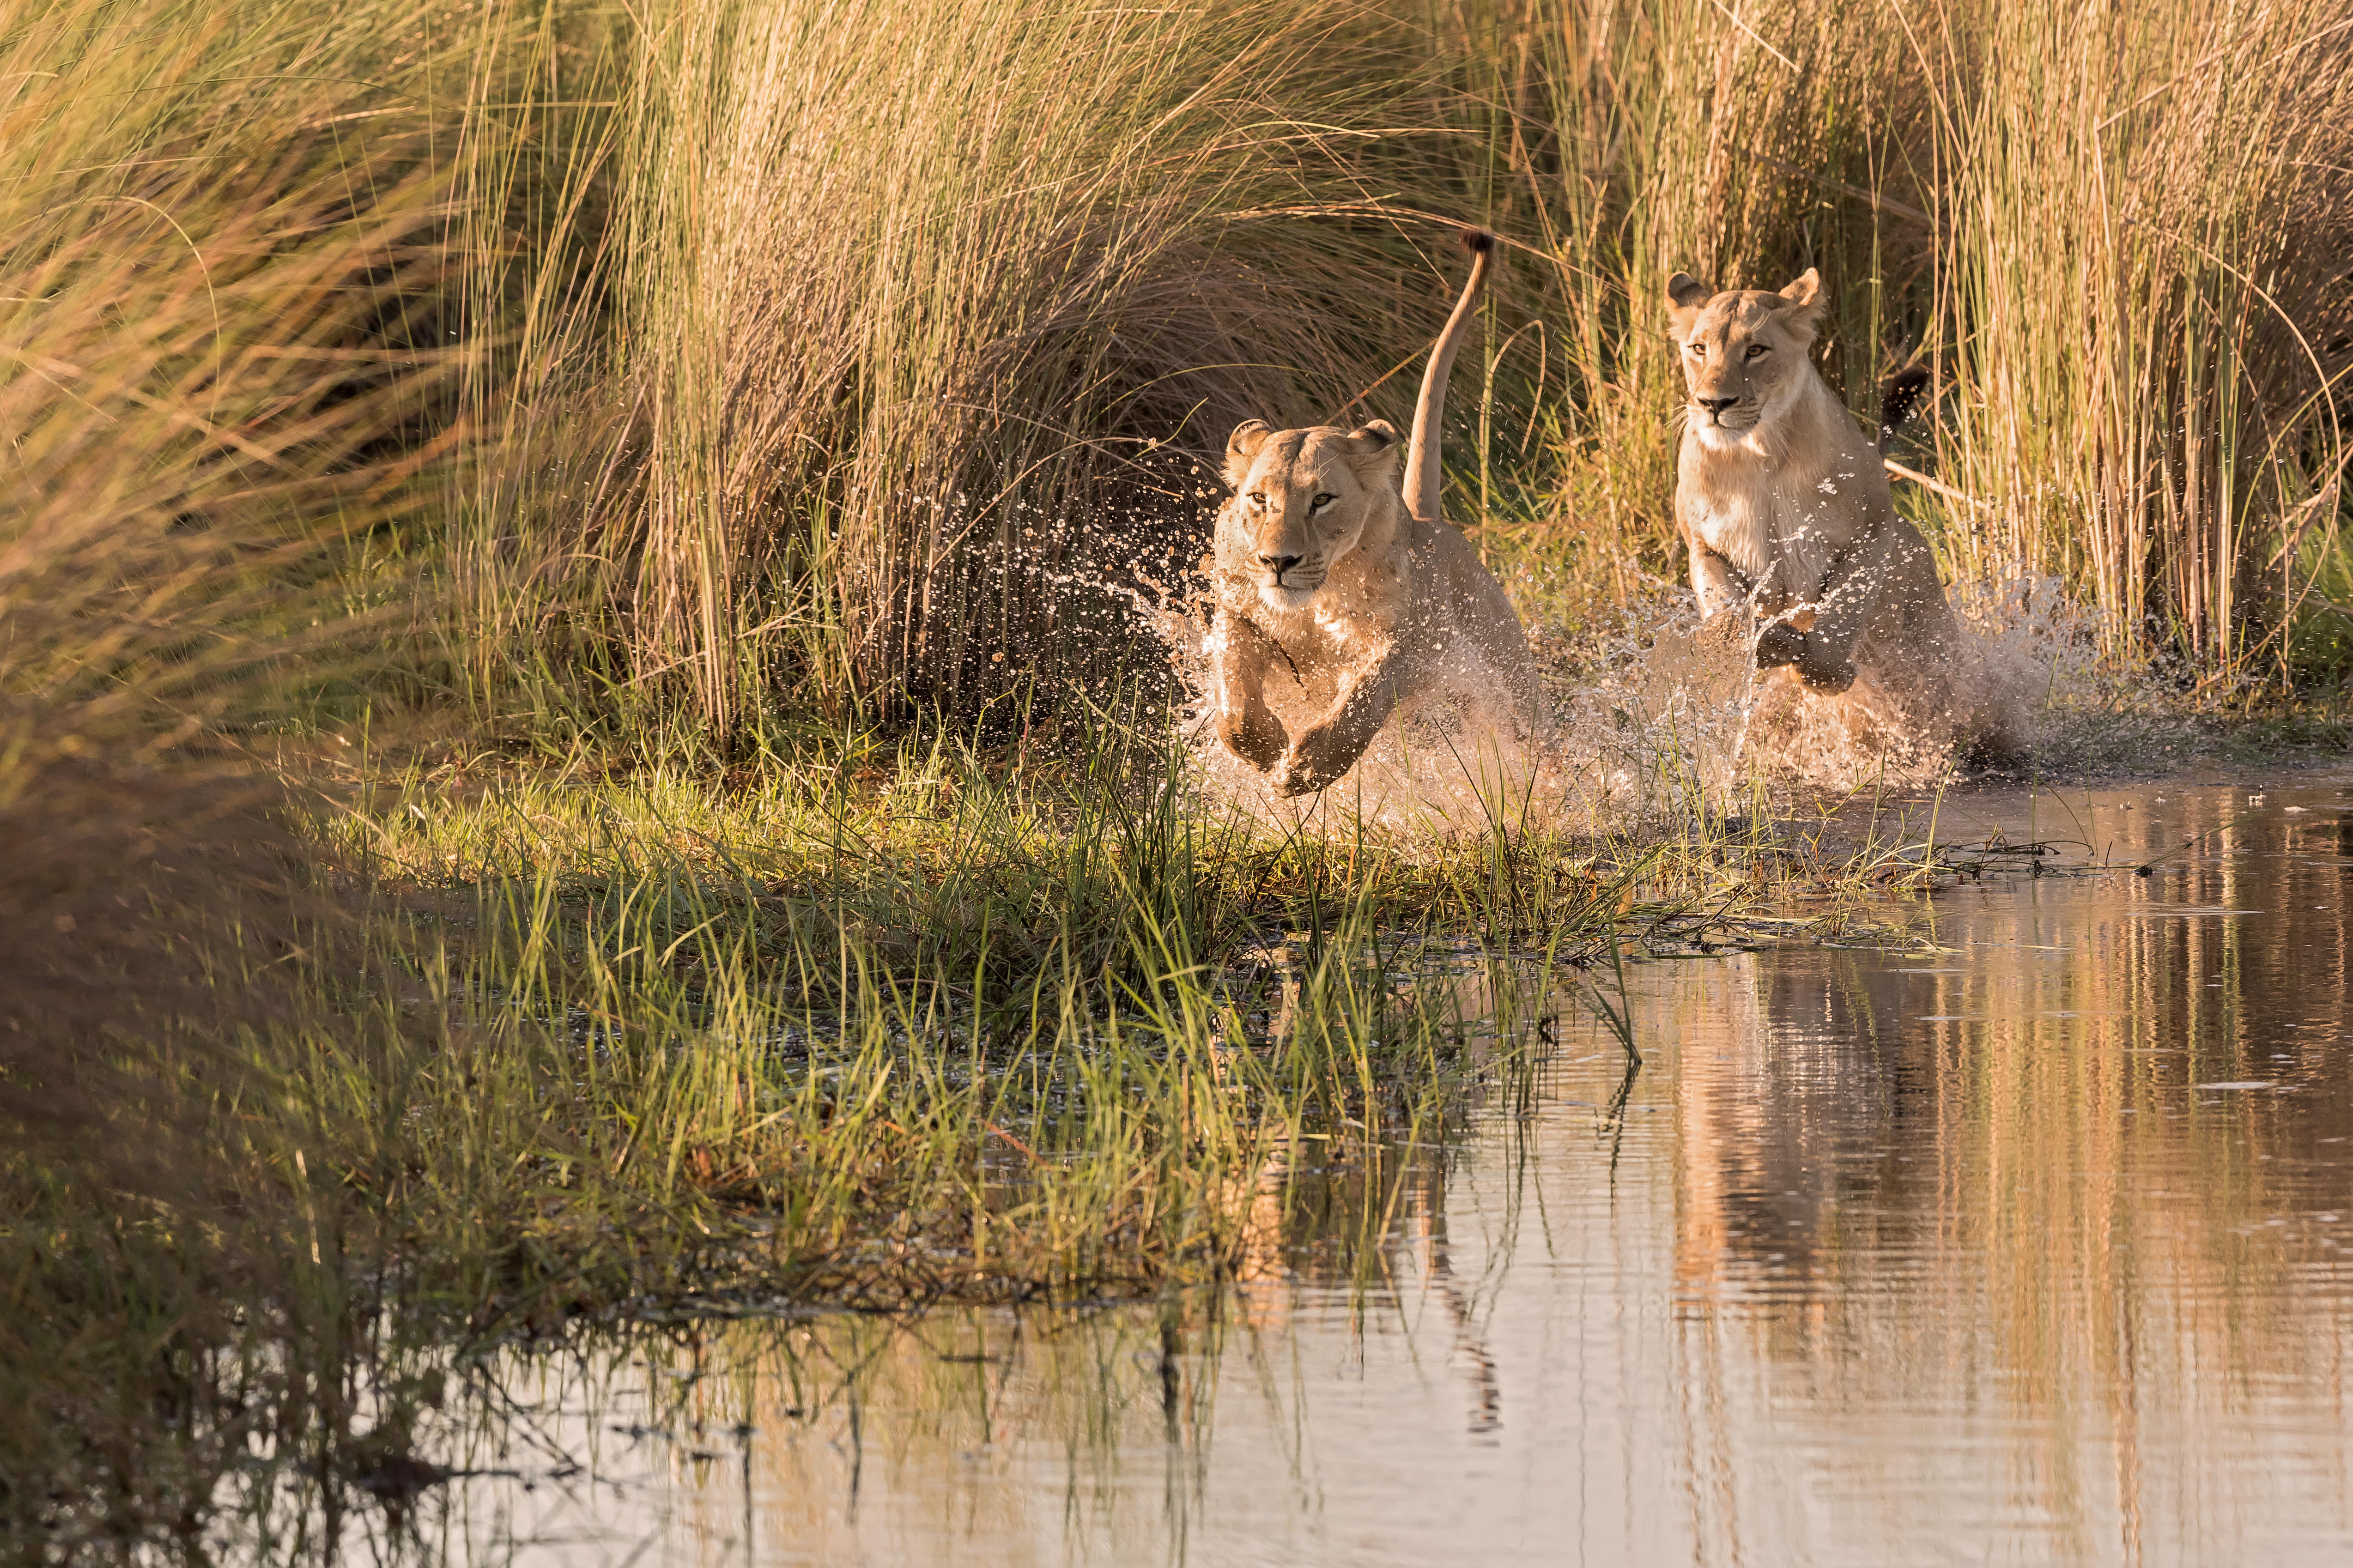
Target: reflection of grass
{"points": [[2070, 1237]]}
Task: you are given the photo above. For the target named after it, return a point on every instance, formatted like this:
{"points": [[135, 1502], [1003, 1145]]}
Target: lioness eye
{"points": [[1755, 350], [1319, 502], [1257, 497]]}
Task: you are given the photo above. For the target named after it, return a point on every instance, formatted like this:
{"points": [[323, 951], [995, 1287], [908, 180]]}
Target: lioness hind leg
{"points": [[1245, 723]]}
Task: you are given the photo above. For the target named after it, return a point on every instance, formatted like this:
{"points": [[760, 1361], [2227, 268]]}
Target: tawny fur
{"points": [[1795, 542], [1338, 601]]}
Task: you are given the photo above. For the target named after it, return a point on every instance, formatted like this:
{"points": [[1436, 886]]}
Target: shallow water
{"points": [[2022, 1237]]}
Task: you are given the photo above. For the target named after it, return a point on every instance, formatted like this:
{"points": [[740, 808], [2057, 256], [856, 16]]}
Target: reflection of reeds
{"points": [[836, 1432], [2029, 1211]]}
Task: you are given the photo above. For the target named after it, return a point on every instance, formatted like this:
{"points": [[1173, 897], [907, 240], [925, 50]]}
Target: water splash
{"points": [[1657, 721], [2029, 691], [1656, 738]]}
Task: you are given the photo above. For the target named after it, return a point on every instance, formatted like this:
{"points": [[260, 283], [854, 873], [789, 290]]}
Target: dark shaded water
{"points": [[2023, 1239]]}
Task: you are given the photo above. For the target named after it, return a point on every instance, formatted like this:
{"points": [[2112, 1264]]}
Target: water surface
{"points": [[2017, 1235]]}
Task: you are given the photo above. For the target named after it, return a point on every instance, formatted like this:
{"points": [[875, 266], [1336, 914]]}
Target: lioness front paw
{"points": [[1260, 744], [1821, 669], [1303, 772], [1292, 778], [1780, 644], [1828, 677]]}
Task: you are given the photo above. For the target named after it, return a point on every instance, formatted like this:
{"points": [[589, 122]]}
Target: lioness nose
{"points": [[1715, 404], [1278, 564]]}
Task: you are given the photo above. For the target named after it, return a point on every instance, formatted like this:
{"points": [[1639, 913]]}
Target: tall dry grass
{"points": [[2144, 233], [865, 370], [222, 239], [795, 367], [893, 312]]}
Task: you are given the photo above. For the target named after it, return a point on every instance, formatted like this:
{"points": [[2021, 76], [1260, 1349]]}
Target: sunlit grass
{"points": [[1026, 1027]]}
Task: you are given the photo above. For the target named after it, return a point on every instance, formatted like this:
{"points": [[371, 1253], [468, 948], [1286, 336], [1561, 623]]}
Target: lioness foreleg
{"points": [[1726, 599], [1330, 747], [1718, 583], [1244, 723], [1824, 653]]}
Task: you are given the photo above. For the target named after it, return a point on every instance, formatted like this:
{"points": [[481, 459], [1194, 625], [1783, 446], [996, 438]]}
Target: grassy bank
{"points": [[510, 1049], [576, 1046]]}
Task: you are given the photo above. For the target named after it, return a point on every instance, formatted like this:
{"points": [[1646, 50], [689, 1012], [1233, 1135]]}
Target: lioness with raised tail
{"points": [[1784, 504], [1339, 598]]}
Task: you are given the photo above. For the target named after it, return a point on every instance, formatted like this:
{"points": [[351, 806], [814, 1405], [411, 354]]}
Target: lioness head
{"points": [[1744, 351], [1302, 500]]}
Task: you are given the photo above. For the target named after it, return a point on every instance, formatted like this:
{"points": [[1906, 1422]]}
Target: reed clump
{"points": [[905, 408]]}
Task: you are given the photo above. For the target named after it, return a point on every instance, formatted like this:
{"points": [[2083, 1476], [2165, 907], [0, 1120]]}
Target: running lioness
{"points": [[1351, 596]]}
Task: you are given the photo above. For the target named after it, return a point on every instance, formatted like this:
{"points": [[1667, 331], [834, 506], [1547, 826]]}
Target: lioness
{"points": [[1337, 598], [1785, 506]]}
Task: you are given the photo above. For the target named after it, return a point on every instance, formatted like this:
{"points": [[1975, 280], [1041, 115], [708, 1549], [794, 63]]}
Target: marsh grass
{"points": [[931, 1019], [1040, 1023]]}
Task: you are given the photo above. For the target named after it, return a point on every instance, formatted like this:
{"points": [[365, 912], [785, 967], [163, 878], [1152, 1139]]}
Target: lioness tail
{"points": [[1422, 464], [1898, 397]]}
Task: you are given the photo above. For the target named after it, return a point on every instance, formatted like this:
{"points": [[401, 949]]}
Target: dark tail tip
{"points": [[1478, 241], [1898, 397]]}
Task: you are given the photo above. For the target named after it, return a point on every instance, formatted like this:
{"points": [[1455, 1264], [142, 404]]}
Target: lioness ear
{"points": [[1372, 448], [1686, 295], [1802, 304], [1243, 446]]}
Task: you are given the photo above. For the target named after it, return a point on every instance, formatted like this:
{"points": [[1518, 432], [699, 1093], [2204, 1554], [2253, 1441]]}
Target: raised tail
{"points": [[1898, 396], [1423, 468]]}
